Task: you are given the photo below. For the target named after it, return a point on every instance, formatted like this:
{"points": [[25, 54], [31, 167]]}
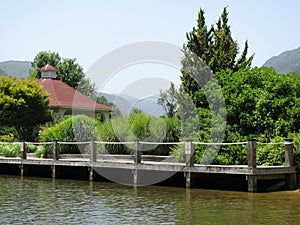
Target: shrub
{"points": [[40, 152], [143, 127], [10, 150], [31, 148], [114, 130], [270, 155], [79, 128]]}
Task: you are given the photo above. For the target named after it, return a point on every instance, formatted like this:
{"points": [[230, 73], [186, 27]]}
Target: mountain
{"points": [[16, 68], [126, 103], [2, 72], [286, 62]]}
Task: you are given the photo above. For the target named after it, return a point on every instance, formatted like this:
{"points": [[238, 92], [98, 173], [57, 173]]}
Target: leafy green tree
{"points": [[167, 99], [260, 101], [104, 101], [69, 71], [41, 59], [23, 106]]}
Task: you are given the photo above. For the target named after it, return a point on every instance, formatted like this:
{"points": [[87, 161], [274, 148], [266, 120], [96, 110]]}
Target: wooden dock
{"points": [[137, 169]]}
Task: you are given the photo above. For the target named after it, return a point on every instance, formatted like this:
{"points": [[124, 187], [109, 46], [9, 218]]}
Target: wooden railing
{"points": [[189, 151]]}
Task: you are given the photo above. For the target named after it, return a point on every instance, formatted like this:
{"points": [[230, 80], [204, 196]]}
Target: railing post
{"points": [[55, 150], [291, 179], [289, 157], [189, 151], [252, 179], [93, 154], [137, 156], [23, 150], [252, 153]]}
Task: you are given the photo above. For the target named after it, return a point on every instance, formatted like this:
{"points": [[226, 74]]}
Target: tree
{"points": [[23, 106], [104, 101], [216, 48], [216, 45], [167, 99], [69, 71], [261, 102]]}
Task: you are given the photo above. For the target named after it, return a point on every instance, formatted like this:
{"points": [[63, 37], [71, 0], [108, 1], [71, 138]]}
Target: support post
{"points": [[189, 153], [291, 181], [23, 150], [137, 157], [289, 157], [135, 177], [189, 150], [53, 172], [55, 150], [252, 183], [91, 175], [93, 154], [252, 153], [188, 179]]}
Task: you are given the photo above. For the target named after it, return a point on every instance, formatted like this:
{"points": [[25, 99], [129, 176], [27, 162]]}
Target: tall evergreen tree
{"points": [[216, 48]]}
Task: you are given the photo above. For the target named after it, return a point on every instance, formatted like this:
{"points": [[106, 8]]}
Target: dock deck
{"points": [[143, 170]]}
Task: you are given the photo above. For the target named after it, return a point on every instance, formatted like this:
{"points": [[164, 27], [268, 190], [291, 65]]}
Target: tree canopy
{"points": [[216, 48], [258, 102], [167, 99], [216, 45], [23, 106]]}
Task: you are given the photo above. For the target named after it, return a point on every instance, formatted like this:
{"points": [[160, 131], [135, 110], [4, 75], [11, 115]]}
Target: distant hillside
{"points": [[127, 103], [16, 68], [2, 72], [286, 62]]}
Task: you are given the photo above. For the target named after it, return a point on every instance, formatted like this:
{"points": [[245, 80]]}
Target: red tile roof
{"points": [[48, 67], [62, 95]]}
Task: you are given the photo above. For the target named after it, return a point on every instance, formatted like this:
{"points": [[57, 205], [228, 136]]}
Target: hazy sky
{"points": [[88, 29]]}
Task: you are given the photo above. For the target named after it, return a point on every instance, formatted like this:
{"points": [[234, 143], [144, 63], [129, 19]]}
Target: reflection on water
{"points": [[46, 201]]}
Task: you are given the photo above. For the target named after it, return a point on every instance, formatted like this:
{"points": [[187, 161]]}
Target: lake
{"points": [[27, 200]]}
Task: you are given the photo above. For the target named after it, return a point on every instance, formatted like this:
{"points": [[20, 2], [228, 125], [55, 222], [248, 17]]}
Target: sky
{"points": [[87, 30]]}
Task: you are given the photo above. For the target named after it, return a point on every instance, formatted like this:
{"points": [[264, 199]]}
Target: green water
{"points": [[45, 201]]}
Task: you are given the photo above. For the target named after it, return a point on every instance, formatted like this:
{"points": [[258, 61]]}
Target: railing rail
{"points": [[189, 147]]}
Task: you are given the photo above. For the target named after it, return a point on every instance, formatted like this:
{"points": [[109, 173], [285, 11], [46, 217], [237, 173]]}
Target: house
{"points": [[66, 100]]}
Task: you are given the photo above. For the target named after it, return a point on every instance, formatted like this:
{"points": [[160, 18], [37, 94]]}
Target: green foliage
{"points": [[216, 45], [209, 51], [115, 130], [31, 148], [167, 99], [41, 152], [260, 103], [296, 138], [7, 134], [143, 127], [104, 101], [78, 128], [232, 154], [10, 150], [270, 155], [259, 100], [23, 106]]}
